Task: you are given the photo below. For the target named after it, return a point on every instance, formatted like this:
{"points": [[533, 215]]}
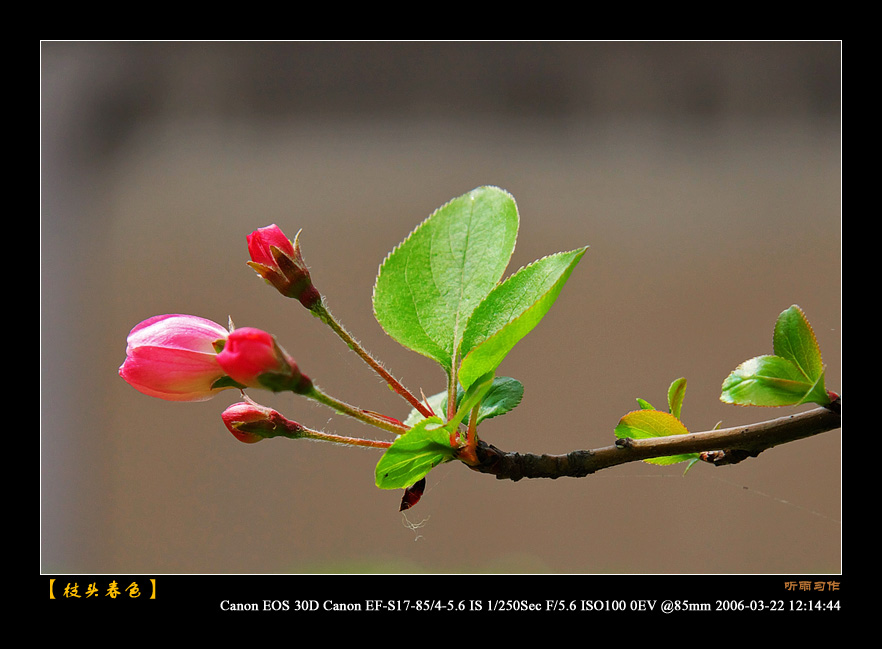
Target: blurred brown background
{"points": [[706, 178]]}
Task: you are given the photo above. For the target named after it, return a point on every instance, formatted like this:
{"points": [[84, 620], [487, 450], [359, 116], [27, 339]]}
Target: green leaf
{"points": [[414, 454], [644, 424], [771, 381], [503, 396], [426, 445], [795, 340], [794, 374], [430, 284], [667, 460], [511, 311], [676, 394], [691, 459], [644, 404], [472, 398]]}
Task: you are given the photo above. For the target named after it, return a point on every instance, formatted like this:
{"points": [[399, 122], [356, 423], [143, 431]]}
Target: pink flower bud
{"points": [[253, 358], [250, 422], [173, 357], [275, 258]]}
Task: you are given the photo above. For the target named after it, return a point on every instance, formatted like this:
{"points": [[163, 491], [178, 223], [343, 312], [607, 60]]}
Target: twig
{"points": [[723, 446]]}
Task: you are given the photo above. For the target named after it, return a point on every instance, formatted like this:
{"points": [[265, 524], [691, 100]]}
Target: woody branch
{"points": [[719, 447]]}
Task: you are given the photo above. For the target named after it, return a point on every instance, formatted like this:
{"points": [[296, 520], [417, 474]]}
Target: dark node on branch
{"points": [[580, 463], [722, 458], [835, 405], [489, 458]]}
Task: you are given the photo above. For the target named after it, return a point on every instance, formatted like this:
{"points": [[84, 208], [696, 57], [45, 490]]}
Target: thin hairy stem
{"points": [[322, 313], [365, 416]]}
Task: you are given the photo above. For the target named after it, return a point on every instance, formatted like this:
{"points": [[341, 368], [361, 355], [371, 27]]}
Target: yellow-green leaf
{"points": [[644, 424]]}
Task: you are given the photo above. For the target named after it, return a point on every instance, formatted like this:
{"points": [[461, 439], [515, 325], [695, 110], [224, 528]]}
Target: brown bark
{"points": [[719, 447]]}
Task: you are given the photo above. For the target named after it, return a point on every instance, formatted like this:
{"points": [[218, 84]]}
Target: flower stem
{"points": [[253, 420], [365, 416], [322, 313], [340, 439]]}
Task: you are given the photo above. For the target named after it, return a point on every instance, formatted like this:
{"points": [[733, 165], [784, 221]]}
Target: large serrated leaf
{"points": [[429, 285], [510, 311]]}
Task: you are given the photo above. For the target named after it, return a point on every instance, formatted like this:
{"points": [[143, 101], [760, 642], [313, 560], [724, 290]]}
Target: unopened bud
{"points": [[174, 357], [253, 358], [278, 260], [250, 422]]}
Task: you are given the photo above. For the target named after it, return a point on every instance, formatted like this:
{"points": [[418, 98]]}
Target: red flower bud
{"points": [[253, 358], [250, 422], [275, 258], [173, 357]]}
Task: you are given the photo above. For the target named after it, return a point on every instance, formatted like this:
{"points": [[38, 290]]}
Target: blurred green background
{"points": [[704, 176]]}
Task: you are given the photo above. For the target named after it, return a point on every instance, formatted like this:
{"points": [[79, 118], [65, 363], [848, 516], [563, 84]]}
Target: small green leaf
{"points": [[692, 461], [771, 381], [676, 394], [793, 375], [431, 282], [644, 424], [503, 396], [414, 454], [511, 311], [644, 404], [795, 340], [472, 398], [692, 458]]}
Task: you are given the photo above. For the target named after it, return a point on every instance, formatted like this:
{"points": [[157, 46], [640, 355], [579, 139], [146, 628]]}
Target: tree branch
{"points": [[719, 447]]}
